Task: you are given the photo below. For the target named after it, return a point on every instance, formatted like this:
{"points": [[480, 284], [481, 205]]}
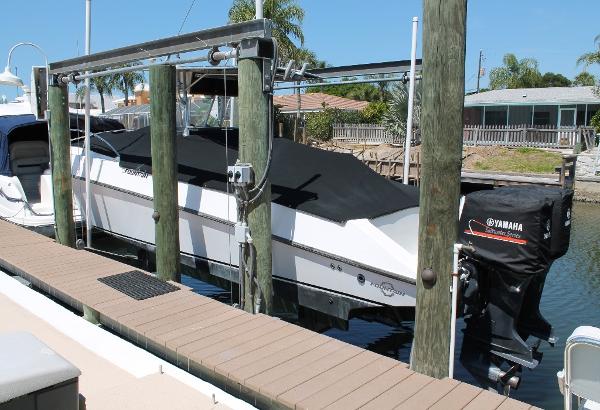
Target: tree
{"points": [[319, 125], [592, 57], [126, 82], [515, 73], [584, 79], [287, 17], [104, 85], [595, 121], [395, 118], [374, 112], [361, 92], [554, 80]]}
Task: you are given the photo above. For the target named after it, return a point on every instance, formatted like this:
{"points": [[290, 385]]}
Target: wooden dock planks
{"points": [[269, 362]]}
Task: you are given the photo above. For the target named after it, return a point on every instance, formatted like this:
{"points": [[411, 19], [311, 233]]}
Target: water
{"points": [[570, 299]]}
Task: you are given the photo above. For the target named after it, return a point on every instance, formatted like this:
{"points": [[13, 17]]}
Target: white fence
{"points": [[526, 136], [369, 134]]}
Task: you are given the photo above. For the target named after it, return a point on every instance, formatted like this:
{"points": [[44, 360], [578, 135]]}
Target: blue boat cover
{"points": [[7, 124]]}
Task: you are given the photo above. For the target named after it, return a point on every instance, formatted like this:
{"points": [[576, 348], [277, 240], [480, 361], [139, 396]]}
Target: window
{"points": [[495, 115], [545, 115]]}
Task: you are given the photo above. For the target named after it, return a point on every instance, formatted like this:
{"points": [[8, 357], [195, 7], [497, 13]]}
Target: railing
{"points": [[368, 134], [527, 136]]}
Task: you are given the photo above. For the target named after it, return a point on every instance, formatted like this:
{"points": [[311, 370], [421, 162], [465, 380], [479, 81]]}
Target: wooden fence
{"points": [[368, 134], [527, 136], [474, 135]]}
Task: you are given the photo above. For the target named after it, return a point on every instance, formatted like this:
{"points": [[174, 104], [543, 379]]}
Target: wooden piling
{"points": [[444, 26], [60, 150], [254, 148], [164, 170]]}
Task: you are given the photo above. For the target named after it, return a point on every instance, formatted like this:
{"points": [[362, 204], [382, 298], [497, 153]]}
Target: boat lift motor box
{"points": [[511, 237]]}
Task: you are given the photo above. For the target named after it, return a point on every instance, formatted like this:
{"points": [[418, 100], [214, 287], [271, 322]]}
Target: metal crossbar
{"points": [[199, 40]]}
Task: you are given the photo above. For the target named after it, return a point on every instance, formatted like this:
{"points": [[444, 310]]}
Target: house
{"points": [[313, 102], [555, 107]]}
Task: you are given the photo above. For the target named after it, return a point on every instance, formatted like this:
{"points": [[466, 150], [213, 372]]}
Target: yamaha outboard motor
{"points": [[515, 233]]}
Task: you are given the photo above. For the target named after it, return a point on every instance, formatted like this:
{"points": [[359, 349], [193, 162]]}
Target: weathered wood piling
{"points": [[444, 30], [60, 151], [254, 149], [163, 136]]}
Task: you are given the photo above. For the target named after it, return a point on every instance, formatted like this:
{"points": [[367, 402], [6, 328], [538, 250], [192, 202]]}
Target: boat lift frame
{"points": [[163, 51]]}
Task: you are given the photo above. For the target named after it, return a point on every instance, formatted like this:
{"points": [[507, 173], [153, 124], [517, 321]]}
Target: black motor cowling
{"points": [[516, 234]]}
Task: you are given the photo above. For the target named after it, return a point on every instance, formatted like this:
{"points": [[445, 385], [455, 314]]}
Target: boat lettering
{"points": [[387, 289], [497, 223], [135, 172]]}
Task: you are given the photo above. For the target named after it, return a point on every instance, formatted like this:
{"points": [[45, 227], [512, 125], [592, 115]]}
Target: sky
{"points": [[554, 32]]}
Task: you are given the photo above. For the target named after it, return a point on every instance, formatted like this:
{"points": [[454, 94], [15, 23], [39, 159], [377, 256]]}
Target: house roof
{"points": [[315, 101], [526, 96]]}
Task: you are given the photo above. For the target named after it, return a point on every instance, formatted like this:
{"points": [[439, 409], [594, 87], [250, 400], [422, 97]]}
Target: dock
{"points": [[261, 359]]}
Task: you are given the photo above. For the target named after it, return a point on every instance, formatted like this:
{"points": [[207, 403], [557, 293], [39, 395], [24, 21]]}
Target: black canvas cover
{"points": [[97, 124], [562, 199], [334, 186], [511, 232]]}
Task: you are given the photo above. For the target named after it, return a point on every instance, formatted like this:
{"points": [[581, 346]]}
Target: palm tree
{"points": [[126, 82], [104, 85], [515, 73], [593, 57], [395, 117], [287, 17]]}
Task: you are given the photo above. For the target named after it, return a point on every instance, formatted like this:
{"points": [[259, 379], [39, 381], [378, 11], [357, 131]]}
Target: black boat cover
{"points": [[331, 185]]}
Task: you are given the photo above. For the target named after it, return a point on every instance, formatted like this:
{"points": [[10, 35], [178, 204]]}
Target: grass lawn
{"points": [[525, 160]]}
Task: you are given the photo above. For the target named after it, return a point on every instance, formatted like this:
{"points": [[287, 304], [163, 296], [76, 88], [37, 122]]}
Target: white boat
{"points": [[327, 256]]}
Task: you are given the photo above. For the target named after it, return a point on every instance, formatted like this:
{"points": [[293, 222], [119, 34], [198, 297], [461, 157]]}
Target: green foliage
{"points": [[103, 85], [319, 125], [515, 73], [126, 82], [592, 57], [584, 79], [287, 17], [374, 112], [595, 121], [554, 80], [394, 119], [361, 92]]}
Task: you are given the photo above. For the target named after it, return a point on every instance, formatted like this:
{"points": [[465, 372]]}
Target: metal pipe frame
{"points": [[387, 67], [368, 80], [199, 40], [216, 56]]}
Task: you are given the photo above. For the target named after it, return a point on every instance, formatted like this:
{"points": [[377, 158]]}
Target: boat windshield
{"points": [[209, 111]]}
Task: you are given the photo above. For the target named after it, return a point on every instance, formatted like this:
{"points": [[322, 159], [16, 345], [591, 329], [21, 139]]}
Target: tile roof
{"points": [[550, 95], [315, 101]]}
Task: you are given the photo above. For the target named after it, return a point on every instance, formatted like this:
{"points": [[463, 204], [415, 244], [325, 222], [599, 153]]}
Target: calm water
{"points": [[571, 298]]}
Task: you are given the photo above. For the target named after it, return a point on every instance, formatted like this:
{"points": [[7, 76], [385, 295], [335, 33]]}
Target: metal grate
{"points": [[138, 285]]}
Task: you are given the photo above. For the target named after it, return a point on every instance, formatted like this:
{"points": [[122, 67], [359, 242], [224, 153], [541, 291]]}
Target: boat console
{"points": [[515, 234]]}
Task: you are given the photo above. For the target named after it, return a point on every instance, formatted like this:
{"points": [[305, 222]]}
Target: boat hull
{"points": [[324, 280]]}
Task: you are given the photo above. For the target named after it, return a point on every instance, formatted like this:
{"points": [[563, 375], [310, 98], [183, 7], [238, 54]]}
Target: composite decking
{"points": [[261, 359]]}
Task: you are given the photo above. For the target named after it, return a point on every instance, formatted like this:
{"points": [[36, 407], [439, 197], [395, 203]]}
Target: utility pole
{"points": [[60, 149], [163, 93], [479, 69], [444, 27], [254, 150]]}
